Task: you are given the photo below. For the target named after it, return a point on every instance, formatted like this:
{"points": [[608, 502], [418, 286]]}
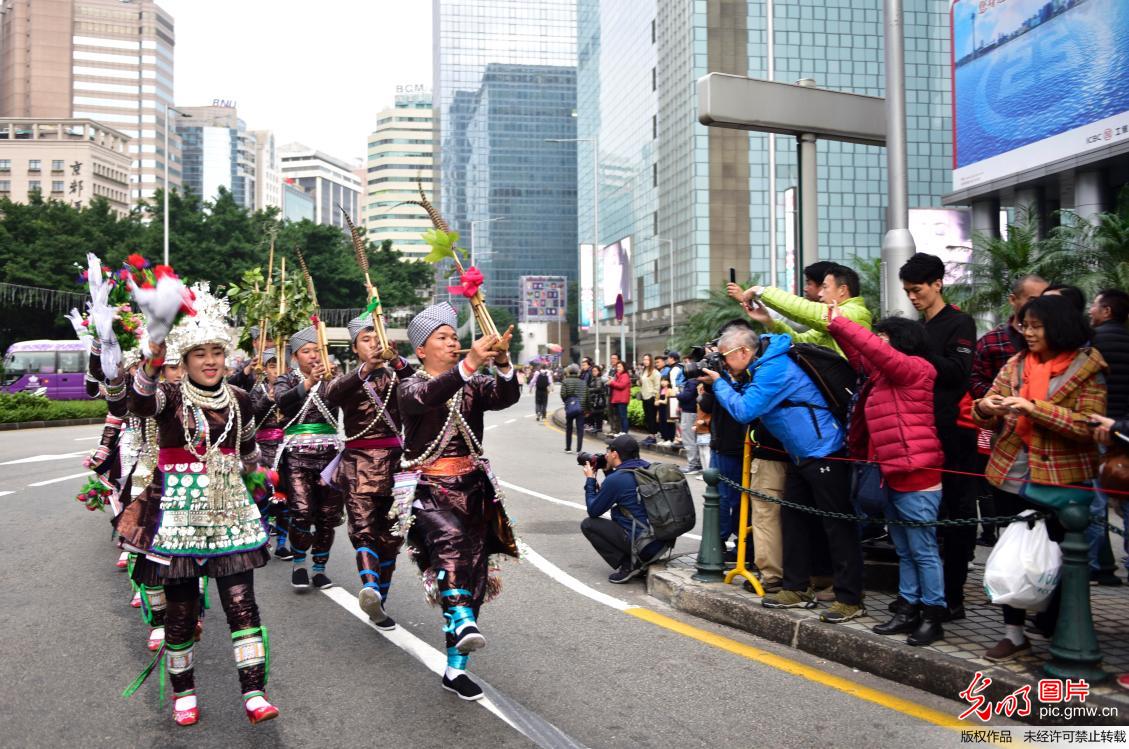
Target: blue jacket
{"points": [[775, 378]]}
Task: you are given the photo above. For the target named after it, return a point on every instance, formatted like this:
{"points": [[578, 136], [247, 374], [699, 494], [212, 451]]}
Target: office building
{"points": [[400, 153], [297, 204], [328, 179], [697, 201], [103, 60], [268, 178], [505, 83], [218, 152], [69, 160]]}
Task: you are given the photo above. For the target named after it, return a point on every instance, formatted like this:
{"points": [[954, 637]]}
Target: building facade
{"points": [[328, 179], [218, 151], [400, 154], [104, 60], [73, 161], [268, 178], [297, 204], [697, 201], [504, 85]]}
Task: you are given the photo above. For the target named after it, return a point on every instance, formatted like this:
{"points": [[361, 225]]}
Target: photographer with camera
{"points": [[763, 382], [616, 540]]}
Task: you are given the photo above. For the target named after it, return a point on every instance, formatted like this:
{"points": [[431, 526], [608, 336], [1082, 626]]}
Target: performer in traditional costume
{"points": [[268, 421], [458, 519], [198, 518], [310, 443], [368, 399]]}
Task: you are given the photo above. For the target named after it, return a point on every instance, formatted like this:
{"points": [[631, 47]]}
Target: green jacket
{"points": [[573, 386], [813, 315]]}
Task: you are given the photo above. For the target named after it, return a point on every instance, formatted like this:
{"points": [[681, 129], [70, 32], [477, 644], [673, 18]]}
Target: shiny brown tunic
{"points": [[139, 522], [368, 470], [290, 394], [267, 416]]}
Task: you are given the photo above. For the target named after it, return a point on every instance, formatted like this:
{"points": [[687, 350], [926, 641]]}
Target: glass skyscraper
{"points": [[696, 201], [504, 85]]}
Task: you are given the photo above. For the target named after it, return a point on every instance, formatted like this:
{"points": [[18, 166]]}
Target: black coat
{"points": [[1112, 342]]}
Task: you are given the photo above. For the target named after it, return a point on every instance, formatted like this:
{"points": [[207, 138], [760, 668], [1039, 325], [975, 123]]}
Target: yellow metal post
{"points": [[743, 524]]}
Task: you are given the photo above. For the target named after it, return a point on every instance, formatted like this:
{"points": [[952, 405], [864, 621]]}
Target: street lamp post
{"points": [[670, 256], [168, 109], [596, 287], [473, 331]]}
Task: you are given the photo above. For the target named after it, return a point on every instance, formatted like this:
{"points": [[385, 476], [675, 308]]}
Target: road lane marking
{"points": [[488, 427], [4, 494], [779, 662], [43, 458], [510, 421], [515, 715], [87, 439], [61, 478], [528, 416], [567, 503]]}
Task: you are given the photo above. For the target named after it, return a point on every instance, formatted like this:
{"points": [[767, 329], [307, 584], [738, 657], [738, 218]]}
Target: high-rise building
{"points": [[268, 178], [218, 152], [400, 152], [504, 84], [297, 204], [328, 179], [73, 161], [696, 201], [104, 60]]}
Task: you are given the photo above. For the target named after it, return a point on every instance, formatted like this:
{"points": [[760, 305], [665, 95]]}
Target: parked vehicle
{"points": [[55, 369]]}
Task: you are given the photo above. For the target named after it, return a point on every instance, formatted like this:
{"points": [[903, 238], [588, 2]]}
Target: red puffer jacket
{"points": [[894, 413]]}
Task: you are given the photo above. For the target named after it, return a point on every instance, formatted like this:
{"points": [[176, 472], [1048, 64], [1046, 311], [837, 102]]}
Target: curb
{"points": [[558, 419], [888, 658], [12, 426]]}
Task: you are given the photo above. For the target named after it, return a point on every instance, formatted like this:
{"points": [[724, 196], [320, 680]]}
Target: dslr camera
{"points": [[598, 461], [707, 357]]}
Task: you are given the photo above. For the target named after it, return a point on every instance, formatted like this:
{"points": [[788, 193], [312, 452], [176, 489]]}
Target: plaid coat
{"points": [[1062, 450]]}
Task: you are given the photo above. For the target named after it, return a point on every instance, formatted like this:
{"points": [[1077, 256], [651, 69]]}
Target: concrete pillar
{"points": [[1029, 208], [1088, 201], [986, 217]]}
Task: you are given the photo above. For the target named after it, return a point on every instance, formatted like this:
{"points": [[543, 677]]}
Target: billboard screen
{"points": [[1035, 81], [616, 276], [946, 233], [543, 298]]}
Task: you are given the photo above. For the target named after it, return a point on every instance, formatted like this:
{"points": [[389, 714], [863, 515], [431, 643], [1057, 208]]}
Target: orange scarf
{"points": [[1036, 386]]}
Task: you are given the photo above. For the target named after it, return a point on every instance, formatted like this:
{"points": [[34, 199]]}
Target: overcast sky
{"points": [[313, 72]]}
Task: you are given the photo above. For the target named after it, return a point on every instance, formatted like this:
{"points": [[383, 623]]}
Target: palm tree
{"points": [[870, 283], [711, 314], [1100, 249]]}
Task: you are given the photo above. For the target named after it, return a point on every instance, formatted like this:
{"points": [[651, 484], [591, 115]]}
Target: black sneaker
{"points": [[625, 574], [372, 604], [299, 578], [283, 553], [470, 639], [463, 687], [322, 581], [387, 624]]}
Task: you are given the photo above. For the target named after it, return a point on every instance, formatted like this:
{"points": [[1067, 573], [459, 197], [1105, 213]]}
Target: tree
{"points": [[703, 324], [1101, 249]]}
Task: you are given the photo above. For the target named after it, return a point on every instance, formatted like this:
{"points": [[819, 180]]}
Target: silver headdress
{"points": [[208, 325]]}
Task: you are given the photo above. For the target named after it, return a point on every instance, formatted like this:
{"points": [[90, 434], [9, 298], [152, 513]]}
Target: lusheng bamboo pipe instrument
{"points": [[279, 351], [386, 351], [319, 326], [263, 319]]}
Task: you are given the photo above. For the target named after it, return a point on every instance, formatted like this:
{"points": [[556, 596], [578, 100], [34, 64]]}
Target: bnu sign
{"points": [[230, 103]]}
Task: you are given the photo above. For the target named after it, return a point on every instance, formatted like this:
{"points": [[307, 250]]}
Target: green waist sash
{"points": [[301, 429]]}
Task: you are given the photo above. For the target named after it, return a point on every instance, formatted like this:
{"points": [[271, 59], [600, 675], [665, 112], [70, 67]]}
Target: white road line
{"points": [[565, 502], [532, 726], [571, 582], [4, 494], [488, 427], [61, 478], [44, 458], [87, 439], [510, 421], [528, 416]]}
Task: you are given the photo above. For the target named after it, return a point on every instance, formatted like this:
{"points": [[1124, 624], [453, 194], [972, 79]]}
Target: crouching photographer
{"points": [[632, 539]]}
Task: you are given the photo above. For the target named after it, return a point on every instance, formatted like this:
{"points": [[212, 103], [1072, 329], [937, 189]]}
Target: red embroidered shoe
{"points": [[156, 637], [188, 716], [123, 561], [262, 709], [135, 602]]}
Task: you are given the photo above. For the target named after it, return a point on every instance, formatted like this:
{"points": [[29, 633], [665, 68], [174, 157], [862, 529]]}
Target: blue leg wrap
{"points": [[319, 562], [456, 617], [455, 659]]}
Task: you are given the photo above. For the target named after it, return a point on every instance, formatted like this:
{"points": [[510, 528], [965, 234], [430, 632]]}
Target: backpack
{"points": [[830, 373], [541, 381], [597, 399], [665, 495]]}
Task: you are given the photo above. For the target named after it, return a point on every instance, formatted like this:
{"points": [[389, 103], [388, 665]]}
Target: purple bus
{"points": [[55, 369]]}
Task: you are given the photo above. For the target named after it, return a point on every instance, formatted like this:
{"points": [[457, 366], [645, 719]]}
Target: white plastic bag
{"points": [[1024, 567]]}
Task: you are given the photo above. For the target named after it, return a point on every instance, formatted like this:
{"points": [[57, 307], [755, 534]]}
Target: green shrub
{"points": [[17, 407]]}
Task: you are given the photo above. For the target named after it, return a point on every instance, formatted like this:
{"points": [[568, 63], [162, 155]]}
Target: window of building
{"points": [[33, 185], [5, 185], [58, 185], [654, 127], [654, 175], [57, 165], [34, 165], [5, 165], [654, 79], [652, 31], [655, 223]]}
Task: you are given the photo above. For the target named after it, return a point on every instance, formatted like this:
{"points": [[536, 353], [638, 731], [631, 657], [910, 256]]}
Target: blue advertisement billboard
{"points": [[1035, 81]]}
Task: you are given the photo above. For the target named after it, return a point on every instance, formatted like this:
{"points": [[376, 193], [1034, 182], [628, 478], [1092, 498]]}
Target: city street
{"points": [[572, 660]]}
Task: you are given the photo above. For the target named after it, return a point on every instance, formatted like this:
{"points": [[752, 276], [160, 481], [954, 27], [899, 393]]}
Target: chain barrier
{"points": [[957, 522]]}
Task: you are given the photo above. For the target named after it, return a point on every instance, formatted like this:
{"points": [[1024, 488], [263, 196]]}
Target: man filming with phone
{"points": [[615, 540]]}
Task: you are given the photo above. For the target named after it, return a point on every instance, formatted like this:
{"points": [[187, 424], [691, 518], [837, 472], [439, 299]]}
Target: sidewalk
{"points": [[558, 419], [945, 668]]}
